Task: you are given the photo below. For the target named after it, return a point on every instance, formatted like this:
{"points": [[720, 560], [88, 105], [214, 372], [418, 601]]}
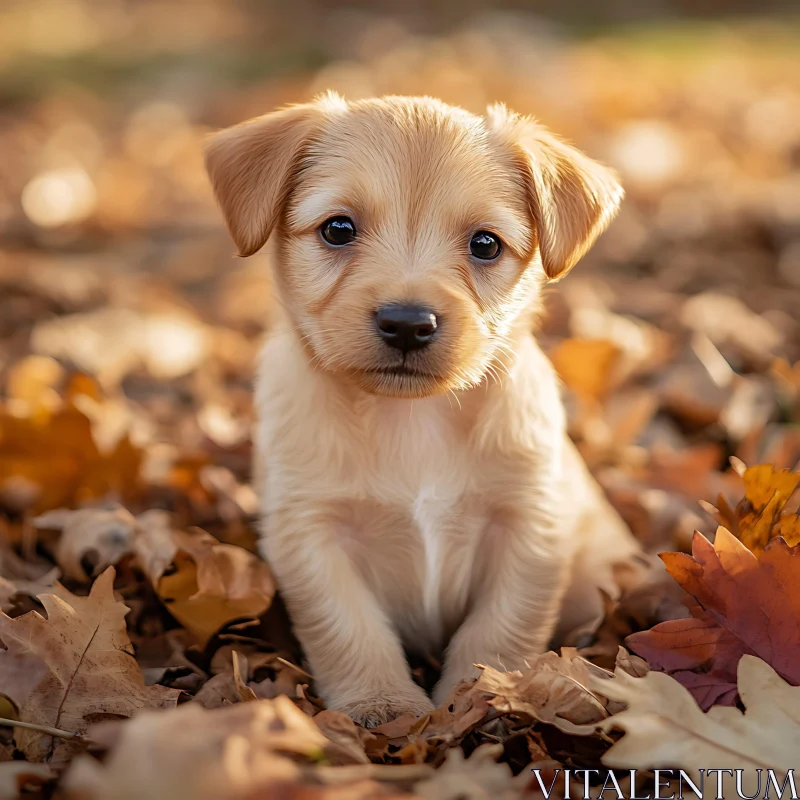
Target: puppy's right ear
{"points": [[252, 166]]}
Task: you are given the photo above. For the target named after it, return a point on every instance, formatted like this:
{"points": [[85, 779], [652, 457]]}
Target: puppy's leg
{"points": [[517, 602], [356, 657]]}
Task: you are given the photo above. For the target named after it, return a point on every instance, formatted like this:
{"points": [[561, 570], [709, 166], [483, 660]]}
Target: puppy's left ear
{"points": [[572, 198]]}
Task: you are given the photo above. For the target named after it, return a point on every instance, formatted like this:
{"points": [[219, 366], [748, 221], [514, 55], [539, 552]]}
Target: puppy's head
{"points": [[411, 235]]}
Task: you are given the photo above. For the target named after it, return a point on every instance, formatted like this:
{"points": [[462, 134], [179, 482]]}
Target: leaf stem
{"points": [[32, 726], [297, 669]]}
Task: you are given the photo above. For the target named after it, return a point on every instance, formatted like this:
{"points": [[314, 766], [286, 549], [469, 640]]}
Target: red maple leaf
{"points": [[742, 603]]}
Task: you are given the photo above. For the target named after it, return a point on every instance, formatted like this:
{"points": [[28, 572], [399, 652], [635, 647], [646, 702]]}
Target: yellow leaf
{"points": [[586, 366], [788, 526], [762, 483], [759, 515]]}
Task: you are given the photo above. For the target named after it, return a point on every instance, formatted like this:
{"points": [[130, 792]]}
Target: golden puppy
{"points": [[417, 485]]}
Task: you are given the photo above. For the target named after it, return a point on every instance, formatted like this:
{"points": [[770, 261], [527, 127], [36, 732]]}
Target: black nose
{"points": [[406, 327]]}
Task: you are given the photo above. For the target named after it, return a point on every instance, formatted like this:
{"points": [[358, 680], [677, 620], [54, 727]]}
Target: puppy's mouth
{"points": [[404, 371], [400, 380]]}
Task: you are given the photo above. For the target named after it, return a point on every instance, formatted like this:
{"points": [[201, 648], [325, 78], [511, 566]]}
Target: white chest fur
{"points": [[423, 462], [410, 487]]}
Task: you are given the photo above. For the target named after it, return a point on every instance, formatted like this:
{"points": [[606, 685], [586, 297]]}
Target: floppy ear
{"points": [[572, 198], [252, 166]]}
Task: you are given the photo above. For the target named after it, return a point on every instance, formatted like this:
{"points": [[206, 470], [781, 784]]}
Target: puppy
{"points": [[418, 489]]}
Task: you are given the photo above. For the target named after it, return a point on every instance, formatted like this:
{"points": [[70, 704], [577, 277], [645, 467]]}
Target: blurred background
{"points": [[121, 302]]}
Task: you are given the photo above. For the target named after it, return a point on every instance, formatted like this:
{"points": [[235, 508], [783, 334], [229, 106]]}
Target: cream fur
{"points": [[441, 512]]}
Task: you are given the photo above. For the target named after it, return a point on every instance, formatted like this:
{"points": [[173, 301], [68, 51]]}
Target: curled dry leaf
{"points": [[664, 727], [213, 584], [75, 664], [18, 577], [631, 664], [154, 545], [348, 740], [743, 603], [227, 687], [233, 753], [459, 714], [554, 689], [101, 536]]}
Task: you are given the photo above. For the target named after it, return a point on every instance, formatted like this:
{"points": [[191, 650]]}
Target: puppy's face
{"points": [[411, 234]]}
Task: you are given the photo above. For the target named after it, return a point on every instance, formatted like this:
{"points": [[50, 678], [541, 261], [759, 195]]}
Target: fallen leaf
{"points": [[100, 536], [227, 687], [18, 577], [214, 584], [58, 462], [760, 515], [631, 664], [586, 366], [31, 386], [234, 753], [552, 689], [154, 545], [211, 584], [458, 715], [110, 343], [18, 775], [743, 604], [664, 726], [76, 663], [348, 740], [475, 778]]}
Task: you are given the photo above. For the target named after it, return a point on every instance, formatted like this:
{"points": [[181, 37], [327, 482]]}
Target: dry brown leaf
{"points": [[105, 535], [230, 753], [348, 740], [211, 585], [18, 577], [397, 730], [227, 687], [633, 665], [554, 689], [475, 778], [75, 664], [664, 727], [17, 775], [101, 536], [154, 544], [214, 584], [458, 715]]}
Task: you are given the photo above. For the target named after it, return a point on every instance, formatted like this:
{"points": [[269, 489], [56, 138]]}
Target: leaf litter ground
{"points": [[144, 640]]}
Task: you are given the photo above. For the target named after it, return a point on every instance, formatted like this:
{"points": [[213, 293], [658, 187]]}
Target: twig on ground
{"points": [[15, 723]]}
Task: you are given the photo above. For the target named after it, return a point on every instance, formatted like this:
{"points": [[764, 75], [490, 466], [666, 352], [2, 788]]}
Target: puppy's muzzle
{"points": [[406, 327]]}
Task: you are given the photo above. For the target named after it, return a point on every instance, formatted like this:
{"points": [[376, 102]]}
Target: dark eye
{"points": [[338, 231], [485, 246]]}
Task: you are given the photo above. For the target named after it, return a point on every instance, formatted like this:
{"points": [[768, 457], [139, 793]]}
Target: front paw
{"points": [[376, 708]]}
